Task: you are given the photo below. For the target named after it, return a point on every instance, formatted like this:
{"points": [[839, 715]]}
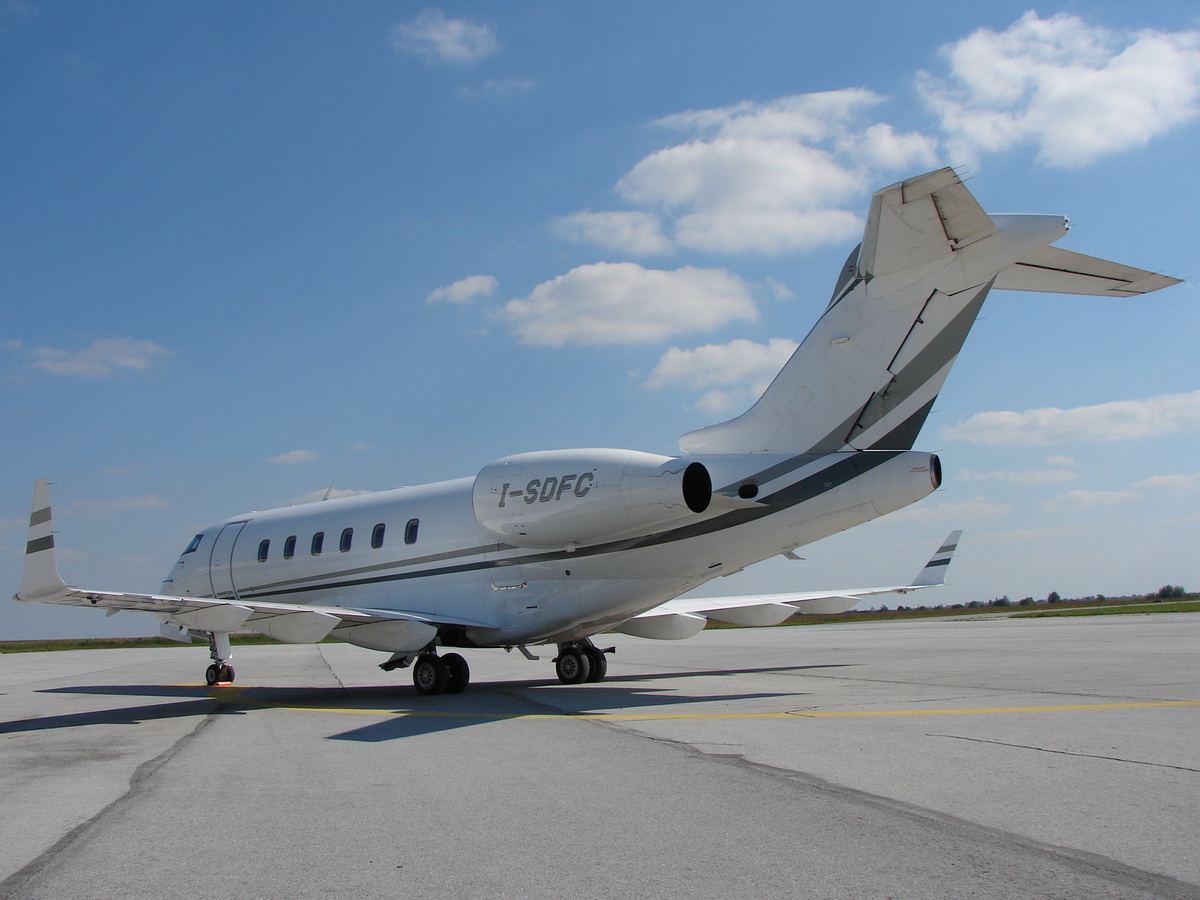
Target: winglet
{"points": [[41, 578], [935, 570]]}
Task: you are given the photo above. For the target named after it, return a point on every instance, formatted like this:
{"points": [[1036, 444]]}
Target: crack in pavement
{"points": [[11, 885], [1137, 762]]}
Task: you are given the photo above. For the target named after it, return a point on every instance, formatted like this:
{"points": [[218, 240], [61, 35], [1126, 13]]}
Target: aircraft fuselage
{"points": [[423, 550]]}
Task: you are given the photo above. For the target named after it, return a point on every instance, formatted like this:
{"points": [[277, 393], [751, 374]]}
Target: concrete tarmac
{"points": [[998, 758]]}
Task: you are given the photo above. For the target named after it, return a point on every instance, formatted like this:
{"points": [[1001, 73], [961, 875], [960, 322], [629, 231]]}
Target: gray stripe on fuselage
{"points": [[941, 349], [415, 561], [905, 434]]}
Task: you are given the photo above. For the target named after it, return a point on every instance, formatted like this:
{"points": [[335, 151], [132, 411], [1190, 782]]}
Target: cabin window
{"points": [[289, 547], [377, 536], [410, 531], [347, 537], [318, 542], [191, 548], [264, 547]]}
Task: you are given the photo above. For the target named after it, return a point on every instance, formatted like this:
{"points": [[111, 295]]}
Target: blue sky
{"points": [[252, 250]]}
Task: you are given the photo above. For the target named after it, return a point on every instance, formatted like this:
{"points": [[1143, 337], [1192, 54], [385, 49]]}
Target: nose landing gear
{"points": [[219, 650]]}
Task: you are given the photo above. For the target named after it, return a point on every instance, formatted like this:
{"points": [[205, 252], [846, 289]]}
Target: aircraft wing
{"points": [[685, 616], [293, 623]]}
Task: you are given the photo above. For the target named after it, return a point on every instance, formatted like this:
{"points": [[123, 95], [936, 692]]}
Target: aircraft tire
{"points": [[227, 674], [573, 666], [599, 664], [459, 673], [212, 675], [430, 674]]}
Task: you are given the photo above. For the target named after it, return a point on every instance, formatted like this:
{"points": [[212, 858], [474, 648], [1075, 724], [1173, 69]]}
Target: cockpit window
{"points": [[191, 548]]}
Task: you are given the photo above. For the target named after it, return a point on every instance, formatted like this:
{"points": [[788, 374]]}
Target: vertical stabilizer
{"points": [[867, 375]]}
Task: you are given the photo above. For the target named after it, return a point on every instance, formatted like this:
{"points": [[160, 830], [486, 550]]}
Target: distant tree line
{"points": [[1166, 592]]}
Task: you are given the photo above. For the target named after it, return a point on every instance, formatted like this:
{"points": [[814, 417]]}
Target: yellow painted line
{"points": [[235, 696]]}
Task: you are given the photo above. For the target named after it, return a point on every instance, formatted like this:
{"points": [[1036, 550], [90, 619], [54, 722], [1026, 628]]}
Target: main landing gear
{"points": [[220, 672], [433, 674], [581, 661]]}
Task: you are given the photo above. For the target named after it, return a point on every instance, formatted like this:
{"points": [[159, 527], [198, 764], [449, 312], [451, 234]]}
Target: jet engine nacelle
{"points": [[564, 498]]}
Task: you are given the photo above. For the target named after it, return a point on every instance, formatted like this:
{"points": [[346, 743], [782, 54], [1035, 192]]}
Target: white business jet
{"points": [[555, 547]]}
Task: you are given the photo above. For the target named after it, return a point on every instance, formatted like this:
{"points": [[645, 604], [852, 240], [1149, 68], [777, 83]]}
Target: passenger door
{"points": [[220, 564]]}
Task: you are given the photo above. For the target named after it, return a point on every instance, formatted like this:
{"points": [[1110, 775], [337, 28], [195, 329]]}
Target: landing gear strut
{"points": [[220, 672], [433, 674], [581, 661]]}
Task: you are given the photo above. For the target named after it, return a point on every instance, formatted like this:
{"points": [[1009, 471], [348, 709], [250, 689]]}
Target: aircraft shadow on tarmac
{"points": [[201, 704], [409, 715]]}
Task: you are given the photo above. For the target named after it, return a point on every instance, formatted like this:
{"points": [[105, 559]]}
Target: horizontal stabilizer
{"points": [[1058, 271]]}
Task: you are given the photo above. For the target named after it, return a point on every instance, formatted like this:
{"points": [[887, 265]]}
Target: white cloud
{"points": [[813, 118], [779, 290], [974, 508], [880, 148], [465, 290], [740, 173], [294, 458], [639, 233], [740, 370], [1171, 482], [1088, 500], [1074, 91], [1026, 477], [104, 357], [1119, 420], [440, 39], [765, 231], [739, 362], [764, 178], [719, 402], [613, 303]]}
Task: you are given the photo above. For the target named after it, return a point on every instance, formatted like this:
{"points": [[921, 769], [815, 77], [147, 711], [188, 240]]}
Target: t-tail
{"points": [[867, 375]]}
